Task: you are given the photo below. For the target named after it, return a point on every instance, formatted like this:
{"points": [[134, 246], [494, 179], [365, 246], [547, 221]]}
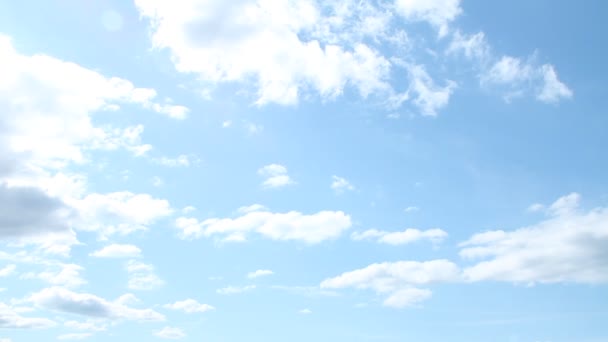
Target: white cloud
{"points": [[189, 306], [142, 276], [439, 13], [119, 212], [259, 273], [117, 251], [170, 333], [473, 46], [429, 97], [85, 304], [226, 124], [59, 274], [553, 90], [568, 246], [182, 160], [398, 281], [411, 209], [251, 208], [407, 236], [340, 184], [525, 76], [11, 319], [275, 176], [230, 290], [292, 225], [261, 41], [74, 336], [7, 270], [536, 207], [305, 312]]}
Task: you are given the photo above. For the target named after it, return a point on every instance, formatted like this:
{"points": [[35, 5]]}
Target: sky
{"points": [[281, 170]]}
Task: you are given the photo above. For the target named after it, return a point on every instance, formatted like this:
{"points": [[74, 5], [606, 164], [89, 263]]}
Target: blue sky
{"points": [[275, 170]]}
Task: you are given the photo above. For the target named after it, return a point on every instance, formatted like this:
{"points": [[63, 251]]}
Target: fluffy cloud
{"points": [[142, 276], [90, 325], [46, 108], [85, 304], [29, 215], [119, 212], [407, 236], [398, 281], [282, 63], [292, 225], [275, 176], [7, 270], [339, 184], [519, 77], [439, 13], [10, 319], [568, 246], [429, 96], [170, 333], [117, 251], [67, 275], [259, 273], [189, 306]]}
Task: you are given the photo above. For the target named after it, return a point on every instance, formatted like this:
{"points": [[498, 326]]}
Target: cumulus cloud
{"points": [[340, 185], [407, 236], [117, 251], [430, 98], [292, 225], [439, 13], [281, 63], [275, 176], [189, 306], [119, 212], [170, 333], [7, 270], [519, 77], [142, 276], [10, 319], [398, 281], [259, 273], [85, 304], [568, 246], [67, 275]]}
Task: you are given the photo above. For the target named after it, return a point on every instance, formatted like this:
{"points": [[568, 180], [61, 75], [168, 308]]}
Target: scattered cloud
{"points": [[412, 209], [85, 304], [292, 225], [407, 236], [275, 176], [340, 185], [182, 160], [189, 306], [119, 212], [568, 246], [398, 281], [170, 333], [230, 290], [117, 251], [11, 319], [67, 275], [430, 98], [90, 325], [305, 312], [7, 270], [142, 276], [259, 273]]}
